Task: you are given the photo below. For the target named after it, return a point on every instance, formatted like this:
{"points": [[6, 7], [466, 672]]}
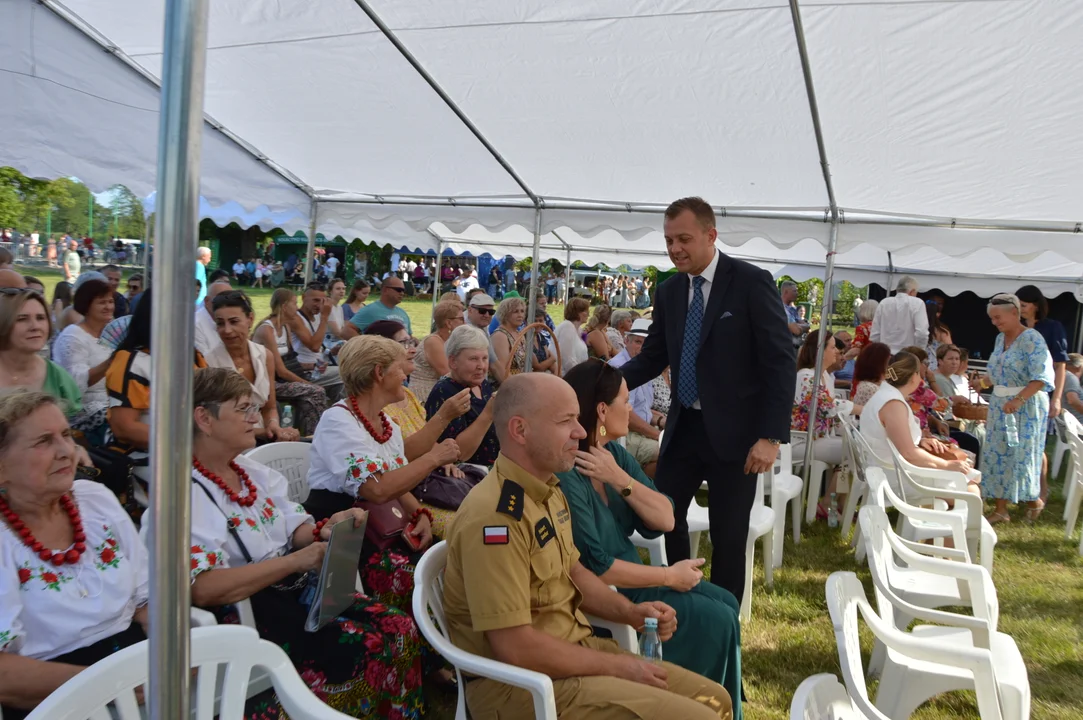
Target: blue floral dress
{"points": [[1014, 473]]}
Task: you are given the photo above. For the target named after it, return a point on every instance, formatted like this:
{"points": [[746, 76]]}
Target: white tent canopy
{"points": [[605, 110]]}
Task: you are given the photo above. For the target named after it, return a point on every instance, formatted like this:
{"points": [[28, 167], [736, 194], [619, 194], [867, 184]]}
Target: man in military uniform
{"points": [[514, 590]]}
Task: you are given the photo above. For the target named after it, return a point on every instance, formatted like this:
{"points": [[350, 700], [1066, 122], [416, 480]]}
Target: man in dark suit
{"points": [[721, 329]]}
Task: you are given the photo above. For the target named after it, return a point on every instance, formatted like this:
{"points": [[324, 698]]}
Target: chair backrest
{"points": [[428, 603], [1072, 423], [289, 458], [106, 690], [822, 697]]}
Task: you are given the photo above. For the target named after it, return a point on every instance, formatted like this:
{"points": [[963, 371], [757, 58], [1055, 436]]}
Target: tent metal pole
{"points": [[532, 302], [310, 249], [567, 267], [452, 105], [436, 274], [180, 134], [832, 243]]}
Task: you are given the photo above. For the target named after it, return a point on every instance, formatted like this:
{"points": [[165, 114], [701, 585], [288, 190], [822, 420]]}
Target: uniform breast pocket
{"points": [[545, 566]]}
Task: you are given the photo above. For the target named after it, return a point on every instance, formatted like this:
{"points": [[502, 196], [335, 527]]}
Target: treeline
{"points": [[65, 205]]}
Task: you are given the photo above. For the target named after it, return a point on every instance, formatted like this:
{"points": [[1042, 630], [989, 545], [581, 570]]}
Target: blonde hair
{"points": [[1004, 299], [11, 306], [444, 312], [903, 367], [507, 306], [359, 358], [16, 406], [278, 298], [448, 296], [214, 387], [600, 318]]}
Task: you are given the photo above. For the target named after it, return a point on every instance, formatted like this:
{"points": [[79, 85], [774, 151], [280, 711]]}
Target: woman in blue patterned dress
{"points": [[1021, 371]]}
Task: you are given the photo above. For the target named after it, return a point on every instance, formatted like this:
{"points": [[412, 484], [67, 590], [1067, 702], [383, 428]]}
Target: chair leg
{"points": [[815, 479], [1071, 509], [768, 560], [746, 597], [795, 518], [778, 537], [1058, 456], [857, 495], [693, 544]]}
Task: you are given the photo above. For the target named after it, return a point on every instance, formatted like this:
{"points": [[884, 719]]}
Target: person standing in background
{"points": [[203, 258], [901, 321], [798, 326], [719, 326], [1035, 312], [1073, 393]]}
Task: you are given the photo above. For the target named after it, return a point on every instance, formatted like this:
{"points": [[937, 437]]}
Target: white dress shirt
{"points": [[206, 332], [708, 277], [900, 322]]}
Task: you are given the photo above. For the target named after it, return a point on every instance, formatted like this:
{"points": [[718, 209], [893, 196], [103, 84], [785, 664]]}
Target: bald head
{"points": [[11, 279], [536, 416]]}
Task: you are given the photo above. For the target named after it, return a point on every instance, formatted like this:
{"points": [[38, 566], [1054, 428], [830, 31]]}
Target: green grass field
{"points": [[1038, 575]]}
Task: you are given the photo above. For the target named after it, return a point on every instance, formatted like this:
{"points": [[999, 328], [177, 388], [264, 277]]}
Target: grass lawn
{"points": [[1038, 575]]}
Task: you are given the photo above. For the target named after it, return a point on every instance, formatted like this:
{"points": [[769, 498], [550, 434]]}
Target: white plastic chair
{"points": [[784, 487], [1073, 428], [429, 598], [1073, 496], [289, 458], [624, 634], [858, 485], [106, 689], [798, 439], [823, 697], [924, 485], [761, 524], [1061, 447], [923, 663]]}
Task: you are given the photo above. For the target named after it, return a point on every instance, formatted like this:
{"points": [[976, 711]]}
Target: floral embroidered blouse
{"points": [[266, 527], [826, 414], [47, 611], [345, 456]]}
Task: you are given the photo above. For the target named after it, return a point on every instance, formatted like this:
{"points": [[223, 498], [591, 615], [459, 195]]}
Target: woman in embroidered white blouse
{"points": [[250, 541], [73, 571]]}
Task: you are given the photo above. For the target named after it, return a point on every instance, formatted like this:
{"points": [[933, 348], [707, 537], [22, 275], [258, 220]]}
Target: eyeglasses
{"points": [[409, 343], [251, 412], [484, 311]]}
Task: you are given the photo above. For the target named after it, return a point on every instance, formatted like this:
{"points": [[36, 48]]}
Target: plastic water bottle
{"points": [[650, 647], [317, 371], [1011, 430], [286, 421], [833, 513]]}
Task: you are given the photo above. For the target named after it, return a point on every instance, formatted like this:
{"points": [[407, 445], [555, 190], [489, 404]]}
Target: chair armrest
{"points": [[934, 550], [624, 634], [202, 618]]}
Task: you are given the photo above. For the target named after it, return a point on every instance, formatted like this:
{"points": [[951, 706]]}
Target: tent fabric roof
{"points": [[930, 109]]}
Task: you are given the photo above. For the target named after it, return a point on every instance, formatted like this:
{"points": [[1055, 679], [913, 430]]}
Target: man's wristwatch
{"points": [[773, 441]]}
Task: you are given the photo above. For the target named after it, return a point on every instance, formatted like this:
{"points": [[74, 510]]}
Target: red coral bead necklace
{"points": [[382, 438], [248, 500], [70, 557]]}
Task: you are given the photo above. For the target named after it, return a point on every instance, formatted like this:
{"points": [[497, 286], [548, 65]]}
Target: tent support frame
{"points": [[832, 243], [436, 285], [532, 301], [310, 249], [180, 137]]}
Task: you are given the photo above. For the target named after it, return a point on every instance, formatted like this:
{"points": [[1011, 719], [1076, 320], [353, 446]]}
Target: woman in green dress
{"points": [[610, 498]]}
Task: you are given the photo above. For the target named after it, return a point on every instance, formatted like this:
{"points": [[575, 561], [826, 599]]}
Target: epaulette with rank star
{"points": [[511, 499]]}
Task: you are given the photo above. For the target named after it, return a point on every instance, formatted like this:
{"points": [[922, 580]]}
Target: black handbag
{"points": [[115, 469], [445, 491]]}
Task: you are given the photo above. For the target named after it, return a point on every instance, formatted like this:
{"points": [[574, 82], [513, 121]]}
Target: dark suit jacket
{"points": [[746, 369]]}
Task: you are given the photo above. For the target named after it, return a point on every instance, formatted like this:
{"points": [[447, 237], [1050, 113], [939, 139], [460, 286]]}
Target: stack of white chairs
{"points": [[924, 662], [784, 487], [815, 478], [858, 485], [1073, 477], [224, 656], [823, 697]]}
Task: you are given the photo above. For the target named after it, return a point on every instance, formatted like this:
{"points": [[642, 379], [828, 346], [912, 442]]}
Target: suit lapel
{"points": [[723, 274], [679, 301]]}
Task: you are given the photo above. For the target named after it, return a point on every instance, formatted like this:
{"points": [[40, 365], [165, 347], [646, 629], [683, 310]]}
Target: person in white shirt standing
{"points": [[901, 321]]}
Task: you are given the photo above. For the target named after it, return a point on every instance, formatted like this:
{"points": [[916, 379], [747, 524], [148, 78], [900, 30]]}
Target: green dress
{"points": [[708, 637], [63, 387]]}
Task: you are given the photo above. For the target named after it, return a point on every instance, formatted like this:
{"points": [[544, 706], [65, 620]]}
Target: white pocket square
{"points": [[726, 315]]}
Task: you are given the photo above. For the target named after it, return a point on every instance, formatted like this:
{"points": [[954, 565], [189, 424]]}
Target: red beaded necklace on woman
{"points": [[383, 437], [248, 500], [78, 536]]}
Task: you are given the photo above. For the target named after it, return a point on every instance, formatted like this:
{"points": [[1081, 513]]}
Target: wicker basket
{"points": [[970, 411], [521, 338]]}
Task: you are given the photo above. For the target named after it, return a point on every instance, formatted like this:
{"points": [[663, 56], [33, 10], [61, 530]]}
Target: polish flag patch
{"points": [[496, 535]]}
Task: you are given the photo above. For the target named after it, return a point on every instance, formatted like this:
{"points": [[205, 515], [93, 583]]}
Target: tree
{"points": [[127, 209]]}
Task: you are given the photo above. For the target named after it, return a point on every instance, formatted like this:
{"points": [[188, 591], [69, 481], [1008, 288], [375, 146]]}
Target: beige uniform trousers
{"points": [[689, 697]]}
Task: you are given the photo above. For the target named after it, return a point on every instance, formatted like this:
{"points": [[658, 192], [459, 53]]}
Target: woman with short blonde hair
{"points": [[573, 346], [430, 364], [511, 312]]}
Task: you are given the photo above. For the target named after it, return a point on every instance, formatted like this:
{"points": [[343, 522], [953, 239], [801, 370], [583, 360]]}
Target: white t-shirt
{"points": [[873, 428], [266, 528], [238, 268], [77, 351], [572, 348], [45, 610], [206, 332], [345, 456], [332, 264]]}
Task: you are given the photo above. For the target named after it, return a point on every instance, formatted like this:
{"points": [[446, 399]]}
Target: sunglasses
{"points": [[485, 311], [397, 289], [11, 292]]}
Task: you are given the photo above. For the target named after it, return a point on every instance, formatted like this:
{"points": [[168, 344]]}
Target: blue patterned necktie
{"points": [[687, 387]]}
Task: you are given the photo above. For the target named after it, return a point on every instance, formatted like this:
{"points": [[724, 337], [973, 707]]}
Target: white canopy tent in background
{"points": [[950, 125]]}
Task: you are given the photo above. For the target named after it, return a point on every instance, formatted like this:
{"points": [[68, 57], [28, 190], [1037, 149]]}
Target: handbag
{"points": [[387, 521], [447, 492], [115, 469]]}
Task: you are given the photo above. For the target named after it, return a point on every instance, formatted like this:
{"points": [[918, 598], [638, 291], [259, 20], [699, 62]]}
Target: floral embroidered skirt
{"points": [[366, 664]]}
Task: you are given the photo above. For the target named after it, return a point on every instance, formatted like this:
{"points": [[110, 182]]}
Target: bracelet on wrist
{"points": [[419, 512], [317, 530]]}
